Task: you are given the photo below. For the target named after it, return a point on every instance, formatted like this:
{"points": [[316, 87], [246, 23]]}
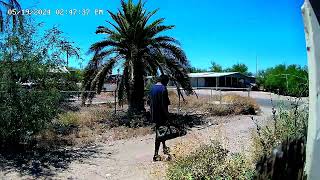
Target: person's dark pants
{"points": [[158, 143]]}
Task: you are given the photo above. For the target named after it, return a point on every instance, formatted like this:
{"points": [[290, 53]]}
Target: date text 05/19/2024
{"points": [[58, 12]]}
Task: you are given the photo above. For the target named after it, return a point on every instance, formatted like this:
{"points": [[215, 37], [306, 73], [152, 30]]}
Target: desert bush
{"points": [[29, 82], [279, 147], [69, 119], [210, 162], [25, 113], [287, 124], [241, 104], [220, 110]]}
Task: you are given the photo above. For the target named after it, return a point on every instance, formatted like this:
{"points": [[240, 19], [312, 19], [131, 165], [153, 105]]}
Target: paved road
{"points": [[265, 99]]}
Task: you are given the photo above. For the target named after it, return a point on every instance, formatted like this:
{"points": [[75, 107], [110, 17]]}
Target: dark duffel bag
{"points": [[168, 132]]}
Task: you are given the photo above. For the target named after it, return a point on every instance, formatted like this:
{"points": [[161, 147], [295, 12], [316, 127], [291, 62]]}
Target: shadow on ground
{"points": [[42, 162], [187, 120]]}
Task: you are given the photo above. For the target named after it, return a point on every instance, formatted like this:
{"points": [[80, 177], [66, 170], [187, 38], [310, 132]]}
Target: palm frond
{"points": [[104, 30], [177, 52], [1, 21], [166, 39], [98, 81], [98, 46], [179, 74]]}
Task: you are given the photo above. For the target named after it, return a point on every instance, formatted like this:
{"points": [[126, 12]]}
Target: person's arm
{"points": [[166, 96], [166, 103]]}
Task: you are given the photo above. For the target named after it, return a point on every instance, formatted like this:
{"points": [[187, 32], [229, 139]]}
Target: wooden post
{"points": [[217, 83], [220, 96], [225, 81], [231, 81], [179, 104], [312, 31], [115, 102]]}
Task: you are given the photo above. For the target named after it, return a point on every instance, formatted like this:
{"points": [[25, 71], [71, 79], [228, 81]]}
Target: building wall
{"points": [[235, 80], [198, 82]]}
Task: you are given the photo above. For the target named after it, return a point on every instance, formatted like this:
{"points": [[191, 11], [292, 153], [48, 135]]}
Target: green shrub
{"points": [[210, 162], [29, 82], [24, 113], [279, 148], [287, 124], [68, 119]]}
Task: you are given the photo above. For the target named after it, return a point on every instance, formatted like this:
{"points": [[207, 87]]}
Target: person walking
{"points": [[159, 102]]}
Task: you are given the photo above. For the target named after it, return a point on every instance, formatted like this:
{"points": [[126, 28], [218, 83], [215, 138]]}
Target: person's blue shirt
{"points": [[159, 102]]}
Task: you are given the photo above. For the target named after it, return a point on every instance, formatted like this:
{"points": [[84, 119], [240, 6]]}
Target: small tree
{"points": [[241, 68], [215, 67], [29, 97]]}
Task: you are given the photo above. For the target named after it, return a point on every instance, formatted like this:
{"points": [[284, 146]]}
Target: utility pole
{"points": [[67, 58], [256, 66]]}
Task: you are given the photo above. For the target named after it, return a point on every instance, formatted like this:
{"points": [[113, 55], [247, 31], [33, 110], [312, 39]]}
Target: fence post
{"points": [[179, 104], [220, 96], [115, 102]]}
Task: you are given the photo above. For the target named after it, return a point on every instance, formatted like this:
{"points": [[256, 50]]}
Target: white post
{"points": [[312, 31]]}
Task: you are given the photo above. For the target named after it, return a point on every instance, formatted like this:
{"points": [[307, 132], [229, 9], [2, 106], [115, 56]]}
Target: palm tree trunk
{"points": [[136, 90]]}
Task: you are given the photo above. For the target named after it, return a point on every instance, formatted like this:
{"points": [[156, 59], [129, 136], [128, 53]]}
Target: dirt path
{"points": [[131, 159]]}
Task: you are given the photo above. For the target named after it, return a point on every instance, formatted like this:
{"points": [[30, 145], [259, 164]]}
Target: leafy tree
{"points": [[140, 46], [216, 67], [29, 84], [289, 80], [63, 48], [241, 68]]}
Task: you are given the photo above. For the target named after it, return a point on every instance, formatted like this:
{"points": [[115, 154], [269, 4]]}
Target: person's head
{"points": [[164, 79]]}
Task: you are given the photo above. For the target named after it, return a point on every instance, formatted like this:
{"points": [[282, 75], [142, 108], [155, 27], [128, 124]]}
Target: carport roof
{"points": [[211, 74]]}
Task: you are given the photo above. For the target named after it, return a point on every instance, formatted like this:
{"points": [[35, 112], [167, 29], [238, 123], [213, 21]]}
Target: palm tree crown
{"points": [[139, 46]]}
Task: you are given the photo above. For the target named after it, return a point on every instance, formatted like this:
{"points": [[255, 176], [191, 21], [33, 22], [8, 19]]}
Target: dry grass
{"points": [[231, 104], [119, 133], [241, 104], [86, 126]]}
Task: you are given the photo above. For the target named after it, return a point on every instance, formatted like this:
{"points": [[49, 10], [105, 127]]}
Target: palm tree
{"points": [[8, 21], [141, 48]]}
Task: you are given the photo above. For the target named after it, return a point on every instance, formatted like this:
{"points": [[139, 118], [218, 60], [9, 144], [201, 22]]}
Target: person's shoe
{"points": [[156, 158], [166, 150], [169, 158]]}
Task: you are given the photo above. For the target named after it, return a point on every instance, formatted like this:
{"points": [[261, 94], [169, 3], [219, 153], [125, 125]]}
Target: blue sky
{"points": [[226, 32]]}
